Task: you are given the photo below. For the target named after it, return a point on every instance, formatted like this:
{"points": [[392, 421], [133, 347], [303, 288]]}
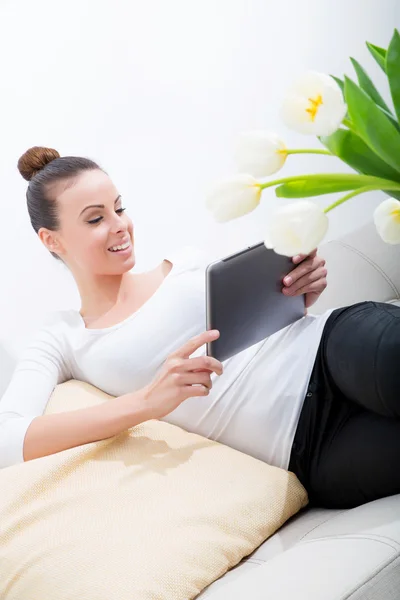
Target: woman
{"points": [[320, 397]]}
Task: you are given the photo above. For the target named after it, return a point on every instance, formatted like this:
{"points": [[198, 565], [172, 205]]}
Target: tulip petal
{"points": [[296, 228], [294, 114], [314, 105], [260, 153], [387, 221], [234, 197]]}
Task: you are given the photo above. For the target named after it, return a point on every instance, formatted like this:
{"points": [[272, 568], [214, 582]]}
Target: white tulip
{"points": [[234, 197], [260, 153], [296, 228], [387, 220], [314, 105]]}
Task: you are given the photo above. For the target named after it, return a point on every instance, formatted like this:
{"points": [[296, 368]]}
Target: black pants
{"points": [[346, 450]]}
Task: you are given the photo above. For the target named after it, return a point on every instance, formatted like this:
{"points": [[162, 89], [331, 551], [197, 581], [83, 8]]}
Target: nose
{"points": [[118, 224]]}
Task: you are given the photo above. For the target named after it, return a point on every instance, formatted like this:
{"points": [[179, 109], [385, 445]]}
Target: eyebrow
{"points": [[98, 205]]}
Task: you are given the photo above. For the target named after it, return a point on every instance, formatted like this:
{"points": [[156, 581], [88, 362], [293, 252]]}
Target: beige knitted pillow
{"points": [[154, 513]]}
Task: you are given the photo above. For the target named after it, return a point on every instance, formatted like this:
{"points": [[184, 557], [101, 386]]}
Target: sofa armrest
{"points": [[326, 569], [354, 555]]}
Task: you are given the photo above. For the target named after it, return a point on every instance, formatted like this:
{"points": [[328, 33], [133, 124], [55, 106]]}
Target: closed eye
{"points": [[94, 221]]}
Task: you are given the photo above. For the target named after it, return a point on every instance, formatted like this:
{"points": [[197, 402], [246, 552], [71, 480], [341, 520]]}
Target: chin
{"points": [[117, 266], [126, 265]]}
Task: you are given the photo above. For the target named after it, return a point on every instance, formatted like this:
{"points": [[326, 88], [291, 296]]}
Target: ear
{"points": [[51, 240]]}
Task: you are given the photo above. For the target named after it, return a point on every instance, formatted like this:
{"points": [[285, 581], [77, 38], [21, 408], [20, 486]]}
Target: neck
{"points": [[101, 293]]}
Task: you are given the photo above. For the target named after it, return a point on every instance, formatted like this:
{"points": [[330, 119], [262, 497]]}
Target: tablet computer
{"points": [[244, 299]]}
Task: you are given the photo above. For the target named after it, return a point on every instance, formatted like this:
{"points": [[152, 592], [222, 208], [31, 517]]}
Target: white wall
{"points": [[156, 91]]}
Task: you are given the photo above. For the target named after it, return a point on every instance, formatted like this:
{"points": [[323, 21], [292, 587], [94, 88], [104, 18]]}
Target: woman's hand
{"points": [[308, 278], [182, 377]]}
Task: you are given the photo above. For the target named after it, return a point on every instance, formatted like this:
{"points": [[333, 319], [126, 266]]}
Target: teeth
{"points": [[123, 247]]}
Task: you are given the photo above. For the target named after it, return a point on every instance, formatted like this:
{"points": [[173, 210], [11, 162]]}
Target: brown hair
{"points": [[44, 168]]}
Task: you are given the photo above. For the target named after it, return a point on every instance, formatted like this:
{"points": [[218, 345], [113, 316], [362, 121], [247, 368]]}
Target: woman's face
{"points": [[92, 224]]}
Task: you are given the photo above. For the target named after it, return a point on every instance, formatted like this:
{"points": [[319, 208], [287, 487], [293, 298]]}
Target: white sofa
{"points": [[333, 554], [327, 554]]}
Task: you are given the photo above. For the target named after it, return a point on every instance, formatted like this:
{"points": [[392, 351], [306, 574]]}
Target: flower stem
{"points": [[306, 151], [362, 190]]}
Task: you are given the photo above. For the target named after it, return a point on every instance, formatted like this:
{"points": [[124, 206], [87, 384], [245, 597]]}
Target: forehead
{"points": [[90, 187]]}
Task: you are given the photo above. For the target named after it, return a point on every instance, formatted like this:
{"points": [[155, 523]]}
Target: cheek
{"points": [[130, 225], [97, 240], [92, 241]]}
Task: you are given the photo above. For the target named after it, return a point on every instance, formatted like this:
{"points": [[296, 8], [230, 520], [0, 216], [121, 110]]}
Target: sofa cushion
{"points": [[155, 512]]}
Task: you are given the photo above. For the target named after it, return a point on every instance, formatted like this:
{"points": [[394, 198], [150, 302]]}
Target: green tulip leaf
{"points": [[379, 55], [368, 86], [372, 125], [339, 81], [393, 70], [320, 184], [349, 147], [393, 194]]}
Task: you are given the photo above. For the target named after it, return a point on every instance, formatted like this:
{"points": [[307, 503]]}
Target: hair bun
{"points": [[34, 159]]}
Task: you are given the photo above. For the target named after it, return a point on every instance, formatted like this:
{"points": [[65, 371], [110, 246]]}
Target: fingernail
{"points": [[287, 280]]}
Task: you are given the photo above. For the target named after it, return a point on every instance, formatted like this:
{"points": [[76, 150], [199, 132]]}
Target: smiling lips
{"points": [[124, 246]]}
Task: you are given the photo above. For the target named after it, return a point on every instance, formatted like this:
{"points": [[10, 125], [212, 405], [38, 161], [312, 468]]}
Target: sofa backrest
{"points": [[360, 267]]}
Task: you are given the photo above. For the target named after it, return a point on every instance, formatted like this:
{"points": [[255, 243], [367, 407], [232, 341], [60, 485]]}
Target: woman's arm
{"points": [[48, 434], [25, 433]]}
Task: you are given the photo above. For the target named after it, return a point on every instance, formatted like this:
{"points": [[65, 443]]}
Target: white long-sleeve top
{"points": [[254, 406]]}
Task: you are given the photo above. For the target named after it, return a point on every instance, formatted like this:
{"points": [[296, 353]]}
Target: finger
{"points": [[196, 390], [304, 283], [203, 363], [311, 264], [196, 342], [198, 379], [299, 257], [315, 287]]}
